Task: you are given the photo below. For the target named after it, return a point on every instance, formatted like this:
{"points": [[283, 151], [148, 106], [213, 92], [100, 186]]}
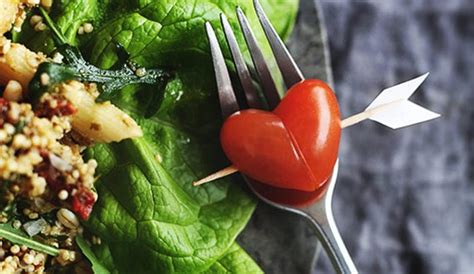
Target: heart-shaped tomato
{"points": [[293, 147]]}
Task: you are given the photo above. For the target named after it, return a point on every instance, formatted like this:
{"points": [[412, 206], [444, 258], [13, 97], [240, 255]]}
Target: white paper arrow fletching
{"points": [[403, 113], [401, 91], [392, 108]]}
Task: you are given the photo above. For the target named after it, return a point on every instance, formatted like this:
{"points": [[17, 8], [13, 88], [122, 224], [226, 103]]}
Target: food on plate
{"points": [[46, 186], [101, 122], [293, 147], [8, 14], [18, 63], [107, 111]]}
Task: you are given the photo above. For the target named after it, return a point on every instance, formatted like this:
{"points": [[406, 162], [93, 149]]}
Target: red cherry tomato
{"points": [[310, 111], [259, 145], [293, 147]]}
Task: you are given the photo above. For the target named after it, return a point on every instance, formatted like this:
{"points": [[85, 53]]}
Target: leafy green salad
{"points": [[150, 59]]}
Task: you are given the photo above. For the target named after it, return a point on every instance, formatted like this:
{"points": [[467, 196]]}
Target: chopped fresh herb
{"points": [[109, 81], [50, 216], [7, 231], [20, 125], [5, 206], [9, 210]]}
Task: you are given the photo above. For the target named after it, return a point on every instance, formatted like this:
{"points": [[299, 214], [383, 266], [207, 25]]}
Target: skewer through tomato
{"points": [[293, 147]]}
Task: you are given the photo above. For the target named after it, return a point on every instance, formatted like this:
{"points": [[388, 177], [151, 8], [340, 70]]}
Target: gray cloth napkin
{"points": [[405, 199]]}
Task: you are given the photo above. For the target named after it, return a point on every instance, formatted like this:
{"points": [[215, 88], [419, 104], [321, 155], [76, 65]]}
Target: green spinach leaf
{"points": [[149, 216], [152, 215], [69, 16], [97, 266], [235, 260], [76, 68], [193, 229]]}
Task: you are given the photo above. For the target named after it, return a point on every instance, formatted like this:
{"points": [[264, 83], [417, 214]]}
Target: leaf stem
{"points": [[58, 35], [17, 237]]}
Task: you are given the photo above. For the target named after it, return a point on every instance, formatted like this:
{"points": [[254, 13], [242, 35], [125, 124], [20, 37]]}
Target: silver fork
{"points": [[320, 213]]}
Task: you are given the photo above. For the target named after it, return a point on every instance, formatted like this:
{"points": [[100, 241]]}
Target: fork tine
{"points": [[288, 67], [268, 85], [242, 69], [227, 98]]}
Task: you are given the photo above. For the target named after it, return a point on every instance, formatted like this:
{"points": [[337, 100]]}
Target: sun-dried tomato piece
{"points": [[63, 108], [55, 178], [3, 102], [82, 202]]}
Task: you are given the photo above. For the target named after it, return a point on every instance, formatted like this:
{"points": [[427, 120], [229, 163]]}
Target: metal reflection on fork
{"points": [[320, 213]]}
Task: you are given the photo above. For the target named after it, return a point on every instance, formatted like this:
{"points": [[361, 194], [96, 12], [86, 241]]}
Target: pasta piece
{"points": [[8, 12], [17, 63], [99, 122]]}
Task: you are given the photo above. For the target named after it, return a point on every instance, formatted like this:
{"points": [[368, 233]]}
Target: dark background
{"points": [[404, 200]]}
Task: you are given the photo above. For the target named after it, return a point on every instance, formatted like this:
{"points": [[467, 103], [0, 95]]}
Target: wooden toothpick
{"points": [[221, 173], [232, 169], [390, 108]]}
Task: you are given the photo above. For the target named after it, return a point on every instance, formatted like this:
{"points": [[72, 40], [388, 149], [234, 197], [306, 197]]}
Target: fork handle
{"points": [[329, 236]]}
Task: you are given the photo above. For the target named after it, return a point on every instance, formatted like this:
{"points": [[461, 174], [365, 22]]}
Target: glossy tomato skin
{"points": [[310, 112], [294, 147], [259, 145]]}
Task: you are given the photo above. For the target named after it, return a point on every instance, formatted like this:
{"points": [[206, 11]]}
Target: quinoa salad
{"points": [[46, 185]]}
